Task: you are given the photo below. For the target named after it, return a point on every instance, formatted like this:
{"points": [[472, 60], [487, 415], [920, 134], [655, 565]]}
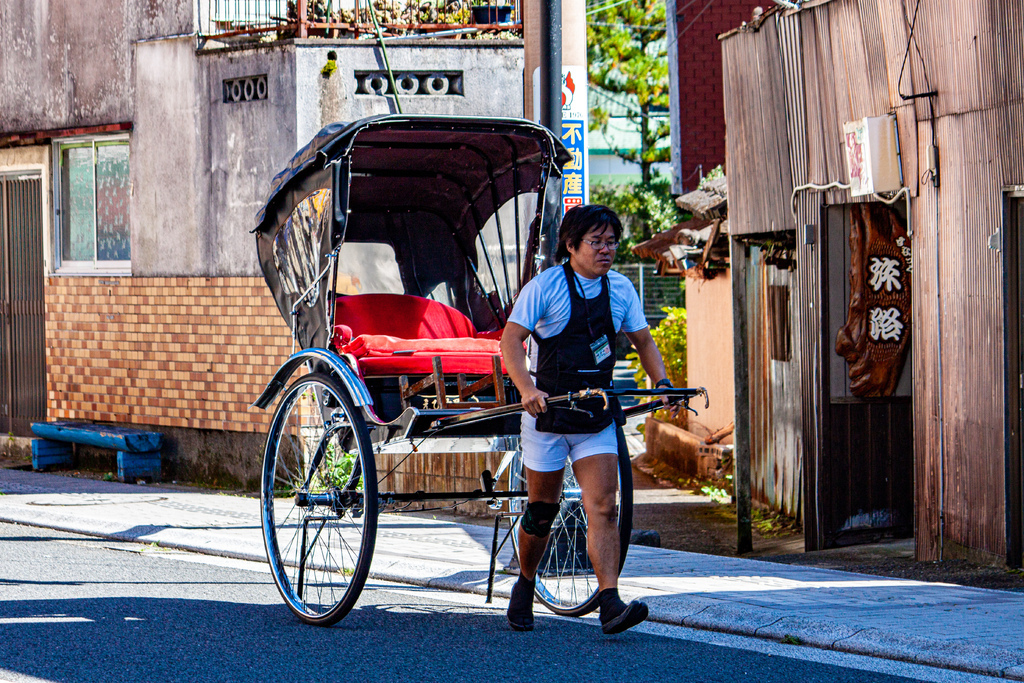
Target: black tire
{"points": [[319, 513], [566, 584]]}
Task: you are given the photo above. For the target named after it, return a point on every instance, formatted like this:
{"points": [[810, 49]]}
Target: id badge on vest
{"points": [[600, 349]]}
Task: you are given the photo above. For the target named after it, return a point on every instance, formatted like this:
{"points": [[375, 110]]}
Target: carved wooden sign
{"points": [[876, 336]]}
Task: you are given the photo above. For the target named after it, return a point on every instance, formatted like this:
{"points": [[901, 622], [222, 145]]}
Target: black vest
{"points": [[565, 362]]}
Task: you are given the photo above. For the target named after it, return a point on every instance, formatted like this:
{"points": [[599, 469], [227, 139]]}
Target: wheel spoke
{"points": [[317, 450]]}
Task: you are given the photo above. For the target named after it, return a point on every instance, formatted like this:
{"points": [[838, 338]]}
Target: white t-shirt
{"points": [[544, 307]]}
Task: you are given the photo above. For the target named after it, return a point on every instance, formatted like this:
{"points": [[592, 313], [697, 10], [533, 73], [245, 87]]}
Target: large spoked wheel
{"points": [[319, 510], [566, 583]]}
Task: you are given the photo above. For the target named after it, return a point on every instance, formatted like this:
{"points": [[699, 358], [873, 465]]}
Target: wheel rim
{"points": [[319, 512]]}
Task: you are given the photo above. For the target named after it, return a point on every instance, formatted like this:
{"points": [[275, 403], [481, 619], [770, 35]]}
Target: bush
{"points": [[670, 336]]}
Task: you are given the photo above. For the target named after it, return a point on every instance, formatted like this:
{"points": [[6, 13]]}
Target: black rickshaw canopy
{"points": [[427, 187]]}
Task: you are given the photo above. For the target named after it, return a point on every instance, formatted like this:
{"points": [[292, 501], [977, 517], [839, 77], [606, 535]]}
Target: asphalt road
{"points": [[76, 608]]}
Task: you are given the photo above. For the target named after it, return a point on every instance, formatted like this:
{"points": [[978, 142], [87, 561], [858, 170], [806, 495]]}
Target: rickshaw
{"points": [[394, 247]]}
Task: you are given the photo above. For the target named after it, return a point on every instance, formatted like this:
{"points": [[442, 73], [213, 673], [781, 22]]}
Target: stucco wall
{"points": [[68, 64], [492, 80], [243, 146], [201, 167], [709, 349]]}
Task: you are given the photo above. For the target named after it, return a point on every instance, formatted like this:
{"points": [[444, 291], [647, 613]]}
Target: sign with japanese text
{"points": [[575, 176], [872, 159], [876, 336]]}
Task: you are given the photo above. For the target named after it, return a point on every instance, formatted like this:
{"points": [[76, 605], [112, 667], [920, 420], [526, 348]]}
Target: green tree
{"points": [[627, 58], [645, 209]]}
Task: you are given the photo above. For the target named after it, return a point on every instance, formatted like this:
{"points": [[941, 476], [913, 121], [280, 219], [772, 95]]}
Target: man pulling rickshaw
{"points": [[573, 314]]}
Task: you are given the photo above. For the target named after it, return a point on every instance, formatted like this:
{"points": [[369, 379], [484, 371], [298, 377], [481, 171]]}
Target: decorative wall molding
{"points": [[432, 83], [245, 89]]}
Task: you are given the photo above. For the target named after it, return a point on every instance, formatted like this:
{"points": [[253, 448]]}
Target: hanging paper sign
{"points": [[575, 176]]}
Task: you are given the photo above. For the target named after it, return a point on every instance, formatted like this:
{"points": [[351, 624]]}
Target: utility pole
{"points": [[555, 82], [542, 37]]}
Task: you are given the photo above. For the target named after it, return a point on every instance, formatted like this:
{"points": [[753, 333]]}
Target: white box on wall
{"points": [[872, 155]]}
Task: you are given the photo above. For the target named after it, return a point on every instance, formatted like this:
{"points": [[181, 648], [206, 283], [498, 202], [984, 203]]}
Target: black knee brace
{"points": [[539, 517]]}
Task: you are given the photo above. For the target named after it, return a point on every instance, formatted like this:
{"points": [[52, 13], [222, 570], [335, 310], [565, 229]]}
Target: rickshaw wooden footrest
{"points": [[436, 380]]}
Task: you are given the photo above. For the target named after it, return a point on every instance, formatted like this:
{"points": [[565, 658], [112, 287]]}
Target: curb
{"points": [[678, 610]]}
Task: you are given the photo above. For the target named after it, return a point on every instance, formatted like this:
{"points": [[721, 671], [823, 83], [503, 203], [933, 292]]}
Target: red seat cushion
{"points": [[396, 334], [422, 364], [384, 345], [399, 315]]}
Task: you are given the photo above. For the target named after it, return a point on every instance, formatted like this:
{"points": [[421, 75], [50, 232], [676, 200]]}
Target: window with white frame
{"points": [[91, 195]]}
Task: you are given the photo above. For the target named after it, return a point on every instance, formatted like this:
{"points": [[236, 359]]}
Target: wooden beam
{"points": [[499, 380], [442, 399], [303, 18], [738, 258], [37, 136]]}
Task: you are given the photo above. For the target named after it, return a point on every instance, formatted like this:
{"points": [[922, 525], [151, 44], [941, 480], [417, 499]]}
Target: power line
{"points": [[694, 21], [608, 6], [633, 109]]}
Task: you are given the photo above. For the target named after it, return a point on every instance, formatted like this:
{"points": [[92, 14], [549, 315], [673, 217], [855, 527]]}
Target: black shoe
{"points": [[633, 614], [520, 605], [617, 616]]}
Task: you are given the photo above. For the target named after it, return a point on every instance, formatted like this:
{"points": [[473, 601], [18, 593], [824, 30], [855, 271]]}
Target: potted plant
{"points": [[491, 12]]}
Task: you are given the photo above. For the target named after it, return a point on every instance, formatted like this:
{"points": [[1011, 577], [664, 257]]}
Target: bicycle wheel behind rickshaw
{"points": [[566, 583], [319, 509]]}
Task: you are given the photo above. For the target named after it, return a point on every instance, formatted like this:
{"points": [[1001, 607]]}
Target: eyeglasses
{"points": [[598, 246]]}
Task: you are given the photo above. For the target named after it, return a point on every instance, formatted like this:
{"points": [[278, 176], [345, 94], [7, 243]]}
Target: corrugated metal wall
{"points": [[849, 54], [972, 56], [22, 338], [851, 72], [757, 138], [759, 134], [776, 448]]}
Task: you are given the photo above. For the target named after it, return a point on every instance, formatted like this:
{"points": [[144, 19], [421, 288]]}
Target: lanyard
{"points": [[586, 306]]}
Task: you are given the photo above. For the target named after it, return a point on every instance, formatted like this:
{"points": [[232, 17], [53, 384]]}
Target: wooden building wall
{"points": [[755, 104], [841, 61]]}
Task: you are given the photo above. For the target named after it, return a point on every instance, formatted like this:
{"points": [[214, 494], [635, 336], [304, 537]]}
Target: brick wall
{"points": [[702, 115], [172, 352]]}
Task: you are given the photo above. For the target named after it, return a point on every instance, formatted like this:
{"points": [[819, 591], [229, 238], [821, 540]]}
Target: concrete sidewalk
{"points": [[967, 629]]}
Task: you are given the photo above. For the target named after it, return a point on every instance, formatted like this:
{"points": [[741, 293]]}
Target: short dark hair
{"points": [[580, 220]]}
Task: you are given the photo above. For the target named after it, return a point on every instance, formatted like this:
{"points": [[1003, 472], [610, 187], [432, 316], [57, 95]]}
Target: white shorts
{"points": [[546, 452]]}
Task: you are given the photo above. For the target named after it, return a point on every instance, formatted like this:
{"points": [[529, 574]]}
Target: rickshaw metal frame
{"points": [[310, 308]]}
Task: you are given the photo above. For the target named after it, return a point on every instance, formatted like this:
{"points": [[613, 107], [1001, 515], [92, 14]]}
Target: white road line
{"points": [[45, 619]]}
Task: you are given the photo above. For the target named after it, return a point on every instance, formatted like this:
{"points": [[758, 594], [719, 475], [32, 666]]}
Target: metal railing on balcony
{"points": [[223, 19]]}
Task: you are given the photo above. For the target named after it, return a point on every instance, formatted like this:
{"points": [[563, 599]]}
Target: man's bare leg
{"points": [[598, 476], [545, 487]]}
